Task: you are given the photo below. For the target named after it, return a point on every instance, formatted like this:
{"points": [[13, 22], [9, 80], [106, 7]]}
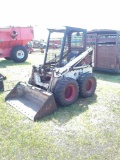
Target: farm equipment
{"points": [[65, 74], [106, 44], [13, 41], [29, 47], [1, 82]]}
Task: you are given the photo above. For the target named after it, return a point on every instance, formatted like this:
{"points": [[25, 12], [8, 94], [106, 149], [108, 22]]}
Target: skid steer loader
{"points": [[65, 74]]}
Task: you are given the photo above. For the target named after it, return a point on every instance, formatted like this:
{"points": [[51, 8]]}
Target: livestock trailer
{"points": [[106, 44]]}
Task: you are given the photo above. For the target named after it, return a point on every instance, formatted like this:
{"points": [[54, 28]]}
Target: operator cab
{"points": [[63, 45]]}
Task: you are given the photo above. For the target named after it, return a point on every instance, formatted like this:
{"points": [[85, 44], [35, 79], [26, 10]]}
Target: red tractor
{"points": [[13, 42]]}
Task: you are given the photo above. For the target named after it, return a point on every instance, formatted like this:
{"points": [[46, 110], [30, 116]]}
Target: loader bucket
{"points": [[32, 101]]}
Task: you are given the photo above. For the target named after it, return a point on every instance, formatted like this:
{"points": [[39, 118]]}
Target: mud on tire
{"points": [[66, 91], [87, 85]]}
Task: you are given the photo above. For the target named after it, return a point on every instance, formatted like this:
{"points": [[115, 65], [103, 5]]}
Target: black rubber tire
{"points": [[87, 85], [7, 58], [66, 91], [15, 54]]}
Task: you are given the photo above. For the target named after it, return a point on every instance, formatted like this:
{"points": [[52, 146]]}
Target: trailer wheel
{"points": [[66, 91], [19, 54], [87, 85]]}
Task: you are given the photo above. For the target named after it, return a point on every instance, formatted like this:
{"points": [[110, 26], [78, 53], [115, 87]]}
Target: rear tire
{"points": [[19, 54], [66, 91], [87, 85]]}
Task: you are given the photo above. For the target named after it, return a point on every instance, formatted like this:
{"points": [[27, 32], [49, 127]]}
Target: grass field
{"points": [[87, 130]]}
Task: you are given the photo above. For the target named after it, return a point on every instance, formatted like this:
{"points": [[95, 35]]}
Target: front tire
{"points": [[87, 85], [19, 54], [66, 91]]}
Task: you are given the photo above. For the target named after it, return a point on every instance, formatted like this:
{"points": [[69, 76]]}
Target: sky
{"points": [[43, 14]]}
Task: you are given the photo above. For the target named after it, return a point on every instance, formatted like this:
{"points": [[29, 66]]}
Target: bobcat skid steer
{"points": [[65, 74]]}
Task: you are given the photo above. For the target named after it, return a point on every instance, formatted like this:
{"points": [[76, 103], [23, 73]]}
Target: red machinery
{"points": [[13, 41]]}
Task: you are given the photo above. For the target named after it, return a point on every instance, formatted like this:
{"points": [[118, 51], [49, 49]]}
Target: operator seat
{"points": [[72, 55]]}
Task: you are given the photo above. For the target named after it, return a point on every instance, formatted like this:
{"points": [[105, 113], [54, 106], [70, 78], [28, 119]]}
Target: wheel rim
{"points": [[20, 54], [70, 92], [89, 85]]}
